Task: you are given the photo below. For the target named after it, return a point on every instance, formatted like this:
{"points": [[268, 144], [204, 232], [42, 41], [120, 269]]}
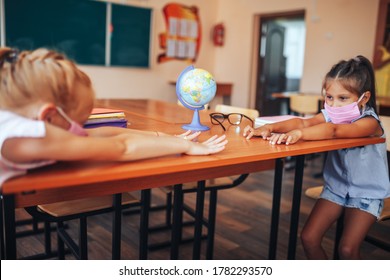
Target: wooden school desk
{"points": [[74, 180]]}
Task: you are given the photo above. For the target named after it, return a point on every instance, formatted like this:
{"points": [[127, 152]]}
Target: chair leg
{"points": [[47, 232], [176, 233], [168, 212], [211, 224]]}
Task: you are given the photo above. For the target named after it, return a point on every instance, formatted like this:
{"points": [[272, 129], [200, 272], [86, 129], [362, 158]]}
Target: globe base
{"points": [[198, 127], [195, 125]]}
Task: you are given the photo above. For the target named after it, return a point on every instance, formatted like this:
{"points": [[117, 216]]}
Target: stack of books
{"points": [[106, 117]]}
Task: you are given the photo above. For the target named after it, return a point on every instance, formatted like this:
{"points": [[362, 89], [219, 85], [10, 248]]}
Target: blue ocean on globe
{"points": [[197, 87]]}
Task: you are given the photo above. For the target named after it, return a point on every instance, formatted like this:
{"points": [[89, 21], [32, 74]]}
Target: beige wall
{"points": [[336, 29]]}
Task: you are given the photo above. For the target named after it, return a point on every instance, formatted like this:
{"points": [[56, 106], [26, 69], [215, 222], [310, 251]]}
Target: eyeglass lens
{"points": [[235, 118], [217, 118]]}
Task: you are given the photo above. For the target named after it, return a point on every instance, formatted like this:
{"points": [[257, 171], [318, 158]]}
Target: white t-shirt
{"points": [[13, 126]]}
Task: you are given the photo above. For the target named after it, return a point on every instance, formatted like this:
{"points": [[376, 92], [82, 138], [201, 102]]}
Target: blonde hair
{"points": [[39, 75]]}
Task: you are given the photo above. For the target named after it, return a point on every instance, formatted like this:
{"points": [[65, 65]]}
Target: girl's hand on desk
{"points": [[213, 145], [262, 131], [188, 136], [286, 138]]}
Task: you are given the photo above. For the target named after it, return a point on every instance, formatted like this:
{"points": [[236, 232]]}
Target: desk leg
{"points": [[9, 227], [273, 239], [116, 226], [144, 224], [296, 202], [2, 230], [177, 221], [198, 220]]}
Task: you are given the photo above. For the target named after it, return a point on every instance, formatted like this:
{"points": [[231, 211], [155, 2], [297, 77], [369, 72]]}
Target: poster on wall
{"points": [[181, 41]]}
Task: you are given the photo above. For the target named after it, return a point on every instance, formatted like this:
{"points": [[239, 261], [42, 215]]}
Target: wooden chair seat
{"points": [[314, 193], [78, 206]]}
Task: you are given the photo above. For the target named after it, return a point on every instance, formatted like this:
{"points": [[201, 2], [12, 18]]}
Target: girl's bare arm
{"points": [[364, 127], [59, 144]]}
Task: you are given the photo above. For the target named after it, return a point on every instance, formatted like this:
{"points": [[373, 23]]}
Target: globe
{"points": [[195, 88]]}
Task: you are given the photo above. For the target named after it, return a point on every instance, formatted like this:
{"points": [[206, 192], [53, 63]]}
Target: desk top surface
{"points": [[239, 156]]}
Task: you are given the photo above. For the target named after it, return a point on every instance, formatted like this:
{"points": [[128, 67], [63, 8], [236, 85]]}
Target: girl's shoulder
{"points": [[14, 125], [368, 111]]}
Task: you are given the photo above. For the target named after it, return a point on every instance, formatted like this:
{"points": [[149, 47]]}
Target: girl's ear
{"points": [[366, 98], [47, 112]]}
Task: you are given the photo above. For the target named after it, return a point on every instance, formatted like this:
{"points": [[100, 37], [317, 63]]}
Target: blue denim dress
{"points": [[359, 172]]}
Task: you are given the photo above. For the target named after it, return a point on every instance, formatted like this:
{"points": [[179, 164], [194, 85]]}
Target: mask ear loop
{"points": [[360, 99], [64, 115]]}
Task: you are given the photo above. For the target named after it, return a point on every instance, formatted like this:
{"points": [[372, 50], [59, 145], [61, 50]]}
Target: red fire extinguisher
{"points": [[219, 34]]}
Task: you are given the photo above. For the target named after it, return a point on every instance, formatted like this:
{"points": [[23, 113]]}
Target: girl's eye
{"points": [[329, 97]]}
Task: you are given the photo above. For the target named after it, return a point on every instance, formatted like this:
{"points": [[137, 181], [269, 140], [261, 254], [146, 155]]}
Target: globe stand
{"points": [[195, 125]]}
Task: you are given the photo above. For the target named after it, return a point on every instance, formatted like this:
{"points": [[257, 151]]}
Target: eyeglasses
{"points": [[233, 118]]}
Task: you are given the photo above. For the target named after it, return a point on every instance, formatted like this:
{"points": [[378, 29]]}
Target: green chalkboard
{"points": [[130, 36], [78, 28], [75, 27]]}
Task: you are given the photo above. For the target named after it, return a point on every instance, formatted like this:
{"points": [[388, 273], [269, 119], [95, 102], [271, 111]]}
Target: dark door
{"points": [[272, 68]]}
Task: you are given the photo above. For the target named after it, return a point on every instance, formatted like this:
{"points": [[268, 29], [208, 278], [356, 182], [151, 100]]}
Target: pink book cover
{"points": [[104, 111]]}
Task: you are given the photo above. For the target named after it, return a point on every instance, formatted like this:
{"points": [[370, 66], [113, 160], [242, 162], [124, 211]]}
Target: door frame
{"points": [[255, 65], [381, 23]]}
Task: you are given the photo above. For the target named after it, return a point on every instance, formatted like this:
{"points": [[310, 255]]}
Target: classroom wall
{"points": [[336, 29]]}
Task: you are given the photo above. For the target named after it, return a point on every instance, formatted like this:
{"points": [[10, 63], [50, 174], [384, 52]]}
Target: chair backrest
{"points": [[227, 109], [206, 106], [386, 126], [385, 215], [304, 104]]}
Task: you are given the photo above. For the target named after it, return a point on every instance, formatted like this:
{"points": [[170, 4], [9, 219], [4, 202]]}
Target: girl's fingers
{"points": [[210, 139], [248, 129], [218, 140], [192, 136]]}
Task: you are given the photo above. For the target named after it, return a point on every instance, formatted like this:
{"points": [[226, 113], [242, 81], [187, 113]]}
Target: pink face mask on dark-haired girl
{"points": [[344, 114], [74, 128]]}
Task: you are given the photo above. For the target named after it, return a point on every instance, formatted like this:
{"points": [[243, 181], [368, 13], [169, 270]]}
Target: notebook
{"points": [[259, 121]]}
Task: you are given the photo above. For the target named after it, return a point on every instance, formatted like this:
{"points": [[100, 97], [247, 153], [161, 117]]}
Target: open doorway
{"points": [[281, 43]]}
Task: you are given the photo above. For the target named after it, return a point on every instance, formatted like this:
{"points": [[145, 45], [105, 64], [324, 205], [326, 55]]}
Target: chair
{"points": [[305, 104], [80, 209], [212, 186], [227, 109], [314, 193]]}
